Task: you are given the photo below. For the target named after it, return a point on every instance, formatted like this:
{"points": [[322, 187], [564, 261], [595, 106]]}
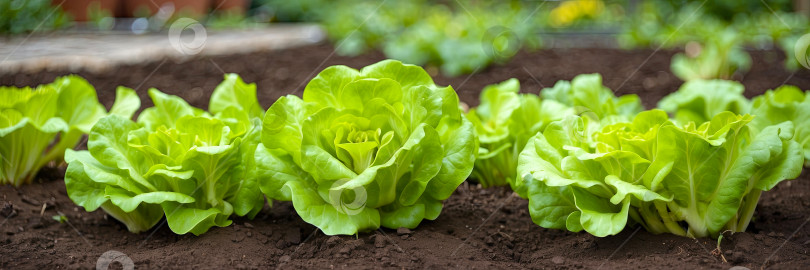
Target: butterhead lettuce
{"points": [[504, 122], [37, 125], [177, 161], [380, 146], [692, 180]]}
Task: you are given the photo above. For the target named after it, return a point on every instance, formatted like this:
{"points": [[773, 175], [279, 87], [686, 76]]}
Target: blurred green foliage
{"points": [[22, 16], [721, 29], [727, 10], [463, 36], [657, 24], [458, 37], [455, 36], [466, 35], [293, 11], [717, 58], [462, 42]]}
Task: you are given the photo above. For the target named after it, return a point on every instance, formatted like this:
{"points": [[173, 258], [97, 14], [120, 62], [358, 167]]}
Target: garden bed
{"points": [[477, 229]]}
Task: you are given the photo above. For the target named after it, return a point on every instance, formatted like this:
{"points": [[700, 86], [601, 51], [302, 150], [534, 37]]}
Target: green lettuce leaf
{"points": [[786, 103], [700, 100], [586, 94]]}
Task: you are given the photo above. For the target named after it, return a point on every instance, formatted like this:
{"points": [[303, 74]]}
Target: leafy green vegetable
{"points": [[37, 125], [719, 57], [700, 100], [786, 103], [176, 160], [687, 180], [383, 146], [504, 121], [586, 94]]}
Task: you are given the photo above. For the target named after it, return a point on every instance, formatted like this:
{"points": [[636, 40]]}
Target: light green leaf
{"points": [[356, 94], [406, 75], [233, 92], [274, 169], [141, 219], [403, 217], [341, 218], [598, 216], [127, 202], [624, 189], [585, 93], [786, 103], [324, 88], [167, 110], [126, 102], [460, 148], [78, 104], [80, 187], [281, 127], [183, 218], [549, 207], [700, 100]]}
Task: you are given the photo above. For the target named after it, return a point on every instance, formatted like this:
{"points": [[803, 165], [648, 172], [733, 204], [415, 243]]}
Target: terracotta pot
{"points": [[188, 8], [232, 6], [78, 9]]}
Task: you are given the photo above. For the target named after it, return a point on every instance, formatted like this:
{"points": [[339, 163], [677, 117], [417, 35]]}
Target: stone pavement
{"points": [[99, 52]]}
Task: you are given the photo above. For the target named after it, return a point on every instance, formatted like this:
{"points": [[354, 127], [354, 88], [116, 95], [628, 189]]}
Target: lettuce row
{"points": [[382, 146], [698, 101], [37, 125], [691, 180], [179, 161]]}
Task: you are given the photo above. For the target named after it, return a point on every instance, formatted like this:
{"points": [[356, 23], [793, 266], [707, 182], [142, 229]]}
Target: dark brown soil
{"points": [[477, 229]]}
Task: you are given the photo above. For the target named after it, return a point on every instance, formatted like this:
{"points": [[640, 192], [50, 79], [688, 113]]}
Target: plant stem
{"points": [[653, 222], [671, 225], [747, 210]]}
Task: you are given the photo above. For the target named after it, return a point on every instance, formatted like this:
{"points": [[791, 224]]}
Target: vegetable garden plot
{"points": [[498, 244]]}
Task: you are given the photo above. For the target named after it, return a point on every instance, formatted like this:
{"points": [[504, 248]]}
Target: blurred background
{"points": [[637, 45]]}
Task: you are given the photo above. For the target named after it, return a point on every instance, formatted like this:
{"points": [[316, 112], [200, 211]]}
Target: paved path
{"points": [[100, 52]]}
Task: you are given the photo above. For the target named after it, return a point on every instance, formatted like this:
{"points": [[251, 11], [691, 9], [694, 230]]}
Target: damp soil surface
{"points": [[478, 228]]}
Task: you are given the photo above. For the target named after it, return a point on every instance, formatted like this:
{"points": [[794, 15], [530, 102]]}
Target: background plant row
{"points": [[461, 37]]}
